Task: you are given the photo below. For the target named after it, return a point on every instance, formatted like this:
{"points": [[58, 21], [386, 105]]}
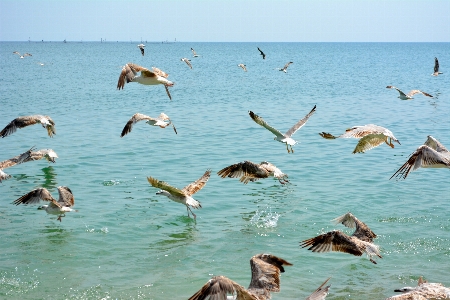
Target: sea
{"points": [[126, 242]]}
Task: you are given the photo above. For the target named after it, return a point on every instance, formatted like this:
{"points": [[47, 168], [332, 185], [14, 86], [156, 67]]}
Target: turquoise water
{"points": [[128, 243]]}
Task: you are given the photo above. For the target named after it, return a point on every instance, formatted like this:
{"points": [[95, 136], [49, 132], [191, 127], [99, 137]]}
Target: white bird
{"points": [[141, 46], [432, 154], [423, 291], [183, 196], [244, 67], [358, 243], [48, 154], [266, 269], [21, 122], [147, 77], [249, 171], [436, 67], [284, 69], [370, 136], [22, 56], [187, 61], [410, 95], [283, 138], [321, 292], [194, 54], [12, 162], [60, 207], [159, 121]]}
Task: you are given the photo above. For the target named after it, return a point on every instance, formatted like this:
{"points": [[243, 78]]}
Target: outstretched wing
{"points": [[393, 87], [362, 231], [300, 123], [262, 53], [35, 196], [128, 73], [246, 170], [369, 142], [260, 121], [134, 119], [332, 241], [218, 287], [23, 157], [159, 72], [327, 135], [65, 196], [197, 185], [165, 186], [287, 65], [435, 144], [436, 65], [321, 292], [19, 122]]}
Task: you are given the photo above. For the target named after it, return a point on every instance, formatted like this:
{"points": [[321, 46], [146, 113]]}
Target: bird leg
{"points": [[60, 216], [287, 148], [189, 209], [390, 142]]}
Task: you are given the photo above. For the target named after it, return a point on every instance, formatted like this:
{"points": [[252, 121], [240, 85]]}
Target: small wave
{"points": [[265, 218], [111, 182]]}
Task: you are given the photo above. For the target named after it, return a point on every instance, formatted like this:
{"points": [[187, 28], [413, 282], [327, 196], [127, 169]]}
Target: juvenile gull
{"points": [[283, 138], [183, 196], [284, 69], [60, 207], [370, 136], [410, 95], [423, 291], [48, 154], [147, 77], [141, 46], [12, 162], [244, 67], [249, 171], [358, 243], [21, 122], [22, 56], [436, 67], [432, 154], [262, 53], [321, 292], [187, 61], [194, 54], [266, 269], [159, 121]]}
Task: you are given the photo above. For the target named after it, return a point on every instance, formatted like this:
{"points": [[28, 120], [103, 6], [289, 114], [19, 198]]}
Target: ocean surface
{"points": [[126, 242]]}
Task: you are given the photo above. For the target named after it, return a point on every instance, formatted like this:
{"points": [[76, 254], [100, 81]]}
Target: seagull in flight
{"points": [[187, 61], [56, 207], [21, 122], [410, 95], [21, 158], [249, 171], [432, 154], [141, 46], [283, 138], [436, 67], [147, 77], [266, 269], [48, 154], [183, 196], [262, 53], [244, 67], [370, 136], [22, 56], [194, 54], [284, 69], [159, 121], [361, 241]]}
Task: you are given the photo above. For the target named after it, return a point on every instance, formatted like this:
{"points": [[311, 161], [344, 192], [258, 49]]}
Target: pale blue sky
{"points": [[227, 20]]}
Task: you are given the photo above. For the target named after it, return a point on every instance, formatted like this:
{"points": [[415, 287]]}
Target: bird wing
{"points": [[393, 87], [23, 157], [435, 144], [3, 175], [413, 92], [159, 72], [197, 185], [167, 91], [260, 121], [15, 52], [332, 241], [128, 72], [188, 62], [287, 65], [327, 135], [134, 119], [65, 196], [49, 155], [218, 287], [262, 53], [27, 54], [321, 292], [368, 142], [165, 186], [362, 231], [361, 131], [35, 196], [246, 170], [436, 65], [193, 52], [300, 123], [19, 122]]}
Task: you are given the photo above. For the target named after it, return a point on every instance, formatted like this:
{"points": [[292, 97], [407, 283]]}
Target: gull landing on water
{"points": [[283, 138], [187, 61], [436, 67], [25, 121], [147, 77], [371, 136], [22, 56], [358, 243], [432, 154], [183, 196], [284, 69], [159, 121], [410, 95], [249, 171], [423, 291], [141, 46], [60, 207], [244, 67], [266, 269]]}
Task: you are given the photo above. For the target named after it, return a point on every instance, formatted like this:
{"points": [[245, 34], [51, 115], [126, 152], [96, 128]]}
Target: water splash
{"points": [[265, 218]]}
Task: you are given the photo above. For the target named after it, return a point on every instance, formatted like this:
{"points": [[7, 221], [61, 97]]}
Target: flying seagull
{"points": [[432, 154], [284, 69], [436, 67], [410, 95], [321, 292], [283, 138], [249, 171], [194, 53], [423, 291], [262, 53], [187, 61], [147, 77], [358, 243], [159, 121], [141, 46], [183, 196], [60, 207], [12, 162], [48, 154], [25, 121], [370, 136], [266, 269], [244, 67], [22, 56]]}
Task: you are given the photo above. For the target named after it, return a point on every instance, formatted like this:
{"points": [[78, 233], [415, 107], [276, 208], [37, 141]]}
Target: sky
{"points": [[226, 20]]}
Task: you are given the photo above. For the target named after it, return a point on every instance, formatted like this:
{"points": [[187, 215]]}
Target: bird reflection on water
{"points": [[50, 178]]}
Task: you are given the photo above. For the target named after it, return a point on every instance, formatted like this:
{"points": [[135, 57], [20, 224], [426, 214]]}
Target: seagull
{"points": [[266, 269], [147, 77], [249, 171], [159, 121], [410, 95], [22, 56], [48, 154], [244, 67], [422, 291], [141, 46], [283, 138], [25, 121], [187, 61], [12, 162], [371, 136], [432, 154], [358, 243], [321, 292], [262, 53], [436, 67], [194, 53], [60, 207], [183, 196], [284, 69]]}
